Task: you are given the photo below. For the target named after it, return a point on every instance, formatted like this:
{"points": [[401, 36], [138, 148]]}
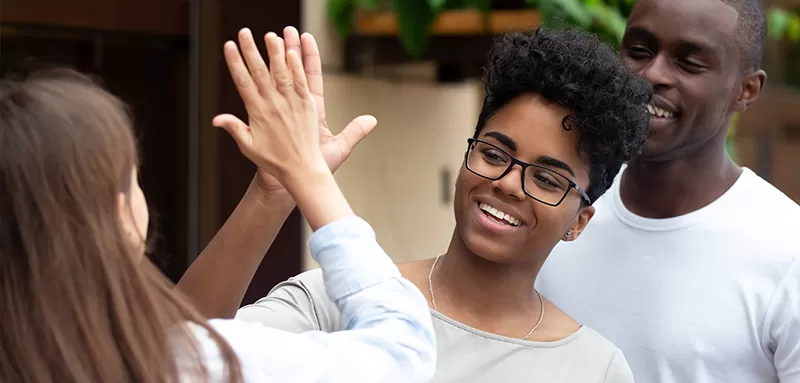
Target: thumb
{"points": [[236, 128], [355, 132]]}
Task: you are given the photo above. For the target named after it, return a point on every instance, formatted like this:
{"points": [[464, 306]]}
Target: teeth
{"points": [[658, 112], [500, 214]]}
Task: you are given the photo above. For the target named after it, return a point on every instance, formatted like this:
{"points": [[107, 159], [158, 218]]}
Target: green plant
{"points": [[414, 17], [783, 23], [605, 17]]}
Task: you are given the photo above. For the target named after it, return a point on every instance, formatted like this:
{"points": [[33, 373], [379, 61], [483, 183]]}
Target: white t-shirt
{"points": [[710, 296]]}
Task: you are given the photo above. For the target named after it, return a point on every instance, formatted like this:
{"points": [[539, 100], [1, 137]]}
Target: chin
{"points": [[654, 151], [487, 248], [660, 144]]}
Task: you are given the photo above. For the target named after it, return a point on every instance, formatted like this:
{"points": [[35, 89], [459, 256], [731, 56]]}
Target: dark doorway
{"points": [[150, 73]]}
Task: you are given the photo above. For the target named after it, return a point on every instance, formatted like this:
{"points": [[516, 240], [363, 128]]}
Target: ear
{"points": [[124, 213], [751, 89], [579, 223]]}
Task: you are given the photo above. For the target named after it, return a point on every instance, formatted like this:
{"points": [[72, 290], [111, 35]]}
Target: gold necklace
{"points": [[433, 299]]}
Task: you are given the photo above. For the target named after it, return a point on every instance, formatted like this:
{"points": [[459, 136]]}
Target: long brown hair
{"points": [[78, 302]]}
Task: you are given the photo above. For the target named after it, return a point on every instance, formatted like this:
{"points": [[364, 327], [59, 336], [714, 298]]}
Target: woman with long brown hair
{"points": [[79, 301]]}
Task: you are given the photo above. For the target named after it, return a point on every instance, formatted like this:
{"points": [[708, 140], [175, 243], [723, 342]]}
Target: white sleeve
{"points": [[619, 371], [388, 332], [782, 326]]}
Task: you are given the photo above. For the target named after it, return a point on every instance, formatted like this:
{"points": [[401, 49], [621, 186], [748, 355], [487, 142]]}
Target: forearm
{"points": [[218, 279], [318, 196]]}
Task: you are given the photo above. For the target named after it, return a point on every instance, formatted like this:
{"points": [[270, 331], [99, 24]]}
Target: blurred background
{"points": [[414, 64]]}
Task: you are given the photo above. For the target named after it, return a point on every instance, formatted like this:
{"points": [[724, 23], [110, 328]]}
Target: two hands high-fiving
{"points": [[287, 136]]}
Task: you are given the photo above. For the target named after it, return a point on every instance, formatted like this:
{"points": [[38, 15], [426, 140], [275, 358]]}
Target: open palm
{"points": [[335, 148]]}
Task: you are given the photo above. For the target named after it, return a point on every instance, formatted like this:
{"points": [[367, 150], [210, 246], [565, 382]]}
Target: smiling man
{"points": [[690, 263]]}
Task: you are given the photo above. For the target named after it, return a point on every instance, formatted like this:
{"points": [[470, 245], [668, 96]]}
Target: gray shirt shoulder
{"points": [[301, 304]]}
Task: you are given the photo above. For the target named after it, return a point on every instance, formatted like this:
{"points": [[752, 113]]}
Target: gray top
{"points": [[464, 354]]}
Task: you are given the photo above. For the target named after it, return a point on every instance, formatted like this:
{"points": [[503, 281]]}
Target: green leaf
{"points": [[415, 19], [572, 11], [778, 20], [484, 6], [341, 13], [794, 28], [436, 5], [368, 4], [610, 20]]}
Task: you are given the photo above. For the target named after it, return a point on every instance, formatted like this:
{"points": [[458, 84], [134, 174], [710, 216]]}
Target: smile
{"points": [[658, 112], [500, 215]]}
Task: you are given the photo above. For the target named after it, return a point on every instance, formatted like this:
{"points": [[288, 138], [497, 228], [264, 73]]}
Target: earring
{"points": [[567, 236]]}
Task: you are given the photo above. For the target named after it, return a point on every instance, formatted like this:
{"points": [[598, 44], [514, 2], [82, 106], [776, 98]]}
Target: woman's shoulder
{"points": [[562, 326], [417, 272], [297, 304]]}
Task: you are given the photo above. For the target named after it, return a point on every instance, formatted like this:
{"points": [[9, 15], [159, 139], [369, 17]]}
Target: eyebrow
{"points": [[555, 163], [686, 45], [696, 47], [503, 139], [640, 33], [543, 160]]}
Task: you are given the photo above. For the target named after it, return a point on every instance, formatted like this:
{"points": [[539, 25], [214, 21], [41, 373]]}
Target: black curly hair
{"points": [[573, 68]]}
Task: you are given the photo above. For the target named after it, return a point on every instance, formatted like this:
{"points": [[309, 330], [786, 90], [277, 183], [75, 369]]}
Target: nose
{"points": [[659, 72], [511, 183]]}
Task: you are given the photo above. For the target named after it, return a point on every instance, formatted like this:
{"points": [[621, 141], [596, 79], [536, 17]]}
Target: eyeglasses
{"points": [[538, 182]]}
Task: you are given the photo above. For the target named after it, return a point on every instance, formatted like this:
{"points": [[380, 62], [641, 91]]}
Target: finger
{"points": [[291, 37], [358, 129], [238, 130], [313, 64], [355, 132], [346, 141], [277, 62], [252, 57], [298, 75], [241, 76]]}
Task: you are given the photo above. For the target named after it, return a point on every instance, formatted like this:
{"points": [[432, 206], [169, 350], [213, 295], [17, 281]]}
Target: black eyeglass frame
{"points": [[524, 165]]}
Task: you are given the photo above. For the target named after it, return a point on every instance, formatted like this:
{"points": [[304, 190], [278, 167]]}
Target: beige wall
{"points": [[393, 178]]}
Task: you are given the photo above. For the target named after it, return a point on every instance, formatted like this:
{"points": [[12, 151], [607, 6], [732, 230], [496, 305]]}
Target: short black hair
{"points": [[751, 32], [573, 68]]}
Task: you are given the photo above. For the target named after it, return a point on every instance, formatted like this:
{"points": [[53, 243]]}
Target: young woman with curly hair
{"points": [[560, 116]]}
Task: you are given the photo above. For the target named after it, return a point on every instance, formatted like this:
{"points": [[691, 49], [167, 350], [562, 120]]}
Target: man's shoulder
{"points": [[768, 210], [764, 195]]}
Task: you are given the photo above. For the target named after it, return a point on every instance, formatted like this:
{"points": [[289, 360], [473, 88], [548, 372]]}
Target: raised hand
{"points": [[283, 135], [335, 148]]}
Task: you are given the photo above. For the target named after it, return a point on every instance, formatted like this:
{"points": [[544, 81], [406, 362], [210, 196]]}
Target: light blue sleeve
{"points": [[388, 333]]}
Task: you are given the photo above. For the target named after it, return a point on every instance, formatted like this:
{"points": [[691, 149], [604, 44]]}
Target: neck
{"points": [[482, 287], [664, 189]]}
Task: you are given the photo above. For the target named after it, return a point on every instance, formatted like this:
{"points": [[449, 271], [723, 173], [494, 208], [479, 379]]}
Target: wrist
{"points": [[306, 176], [271, 196], [319, 198]]}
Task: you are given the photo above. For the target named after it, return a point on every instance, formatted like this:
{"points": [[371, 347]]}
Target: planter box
{"points": [[453, 23]]}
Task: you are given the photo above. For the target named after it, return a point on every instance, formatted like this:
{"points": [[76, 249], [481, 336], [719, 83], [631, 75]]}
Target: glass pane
{"points": [[487, 160], [545, 185]]}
